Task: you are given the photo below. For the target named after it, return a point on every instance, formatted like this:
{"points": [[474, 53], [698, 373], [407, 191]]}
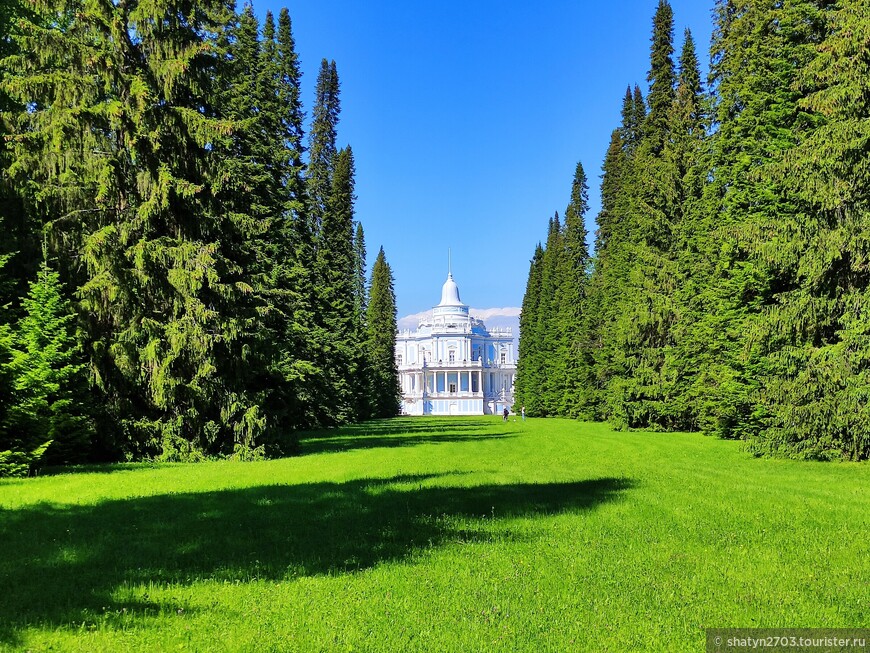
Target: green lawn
{"points": [[462, 534]]}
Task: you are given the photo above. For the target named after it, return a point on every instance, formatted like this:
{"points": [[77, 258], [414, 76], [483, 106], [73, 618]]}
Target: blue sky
{"points": [[468, 118]]}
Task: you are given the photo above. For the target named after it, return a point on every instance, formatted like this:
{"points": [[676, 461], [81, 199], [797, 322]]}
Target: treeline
{"points": [[182, 272], [730, 288]]}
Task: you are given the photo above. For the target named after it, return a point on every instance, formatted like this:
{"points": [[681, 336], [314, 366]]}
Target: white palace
{"points": [[453, 365]]}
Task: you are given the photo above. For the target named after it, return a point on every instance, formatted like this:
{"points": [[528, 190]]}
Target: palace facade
{"points": [[453, 364]]}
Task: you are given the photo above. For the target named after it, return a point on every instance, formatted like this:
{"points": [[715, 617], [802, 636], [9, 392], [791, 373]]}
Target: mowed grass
{"points": [[462, 534]]}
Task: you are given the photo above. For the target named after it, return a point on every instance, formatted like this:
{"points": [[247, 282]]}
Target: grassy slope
{"points": [[437, 534]]}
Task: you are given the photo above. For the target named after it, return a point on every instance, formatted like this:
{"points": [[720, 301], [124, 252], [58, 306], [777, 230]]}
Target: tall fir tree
{"points": [[329, 344], [381, 340], [528, 380], [814, 328], [335, 269], [359, 277], [661, 78], [304, 395], [292, 120], [362, 373], [648, 313], [163, 282], [573, 324], [611, 267], [756, 116], [687, 162], [547, 329], [322, 147]]}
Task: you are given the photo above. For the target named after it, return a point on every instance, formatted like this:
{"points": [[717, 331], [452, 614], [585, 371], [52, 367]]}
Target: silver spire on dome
{"points": [[450, 291]]}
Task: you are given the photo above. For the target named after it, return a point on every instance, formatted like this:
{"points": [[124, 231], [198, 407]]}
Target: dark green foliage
{"points": [[731, 268], [322, 148], [302, 398], [381, 341], [608, 274], [573, 324], [529, 372], [633, 116], [814, 328], [335, 268], [662, 77], [554, 366], [19, 235], [747, 209], [161, 154], [359, 278], [547, 330], [49, 390], [361, 374]]}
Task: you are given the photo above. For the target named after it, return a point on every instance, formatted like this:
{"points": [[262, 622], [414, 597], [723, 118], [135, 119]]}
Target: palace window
{"points": [[398, 359], [453, 388], [451, 356], [503, 357]]}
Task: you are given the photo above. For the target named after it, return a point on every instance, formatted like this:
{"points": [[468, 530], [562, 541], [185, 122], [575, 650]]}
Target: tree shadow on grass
{"points": [[397, 432], [349, 442], [396, 425], [100, 468], [61, 565], [393, 432]]}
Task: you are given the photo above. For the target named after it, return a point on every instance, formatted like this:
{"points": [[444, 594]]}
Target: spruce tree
{"points": [[687, 163], [362, 385], [335, 269], [756, 55], [528, 380], [381, 340], [291, 119], [814, 332], [611, 268], [327, 337], [551, 379], [164, 282], [305, 394], [639, 116], [50, 387], [573, 328], [359, 277], [322, 144], [647, 312], [661, 77]]}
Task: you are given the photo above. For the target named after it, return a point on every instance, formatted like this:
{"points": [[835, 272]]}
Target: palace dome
{"points": [[450, 293]]}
